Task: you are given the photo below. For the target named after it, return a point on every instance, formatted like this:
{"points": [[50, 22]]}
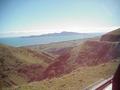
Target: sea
{"points": [[25, 41]]}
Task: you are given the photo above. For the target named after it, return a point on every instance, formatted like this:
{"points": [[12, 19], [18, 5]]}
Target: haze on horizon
{"points": [[36, 17]]}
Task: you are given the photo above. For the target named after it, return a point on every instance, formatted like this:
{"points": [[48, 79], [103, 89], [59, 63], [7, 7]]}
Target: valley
{"points": [[67, 65]]}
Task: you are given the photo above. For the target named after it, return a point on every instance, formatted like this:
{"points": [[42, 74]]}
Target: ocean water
{"points": [[24, 41]]}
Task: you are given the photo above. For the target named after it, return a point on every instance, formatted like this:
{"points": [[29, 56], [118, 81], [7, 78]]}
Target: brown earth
{"points": [[23, 65]]}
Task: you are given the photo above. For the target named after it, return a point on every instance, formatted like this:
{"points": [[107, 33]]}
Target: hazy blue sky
{"points": [[26, 17]]}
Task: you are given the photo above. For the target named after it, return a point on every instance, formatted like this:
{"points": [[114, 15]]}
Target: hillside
{"points": [[59, 66], [90, 53], [86, 53], [112, 36], [79, 79], [114, 32], [52, 48], [13, 60]]}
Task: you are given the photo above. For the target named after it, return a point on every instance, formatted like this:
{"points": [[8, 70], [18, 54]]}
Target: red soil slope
{"points": [[90, 53]]}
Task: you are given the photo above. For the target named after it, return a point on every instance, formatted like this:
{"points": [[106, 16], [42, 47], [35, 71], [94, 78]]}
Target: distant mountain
{"points": [[84, 62], [89, 53], [64, 33]]}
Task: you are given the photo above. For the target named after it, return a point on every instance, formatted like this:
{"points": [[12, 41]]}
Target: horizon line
{"points": [[38, 32]]}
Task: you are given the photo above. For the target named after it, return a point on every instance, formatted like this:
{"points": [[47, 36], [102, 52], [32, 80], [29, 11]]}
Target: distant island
{"points": [[47, 38], [76, 63], [63, 33]]}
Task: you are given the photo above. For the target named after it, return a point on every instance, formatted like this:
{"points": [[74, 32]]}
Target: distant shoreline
{"points": [[26, 41]]}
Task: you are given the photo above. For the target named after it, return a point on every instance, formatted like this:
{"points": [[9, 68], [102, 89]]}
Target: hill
{"points": [[64, 65], [79, 79], [52, 48], [87, 54], [90, 53], [12, 60], [65, 33], [112, 36]]}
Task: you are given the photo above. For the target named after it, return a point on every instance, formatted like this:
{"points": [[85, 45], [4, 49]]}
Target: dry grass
{"points": [[11, 59], [115, 32], [77, 80]]}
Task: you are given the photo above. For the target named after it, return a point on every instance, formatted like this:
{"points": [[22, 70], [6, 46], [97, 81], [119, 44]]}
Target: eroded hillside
{"points": [[18, 65], [60, 67], [90, 53]]}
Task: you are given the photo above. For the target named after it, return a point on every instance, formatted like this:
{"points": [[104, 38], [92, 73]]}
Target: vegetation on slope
{"points": [[60, 67], [115, 32], [79, 79], [113, 36], [91, 53], [12, 60]]}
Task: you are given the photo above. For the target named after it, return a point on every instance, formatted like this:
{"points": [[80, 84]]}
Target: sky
{"points": [[36, 17]]}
